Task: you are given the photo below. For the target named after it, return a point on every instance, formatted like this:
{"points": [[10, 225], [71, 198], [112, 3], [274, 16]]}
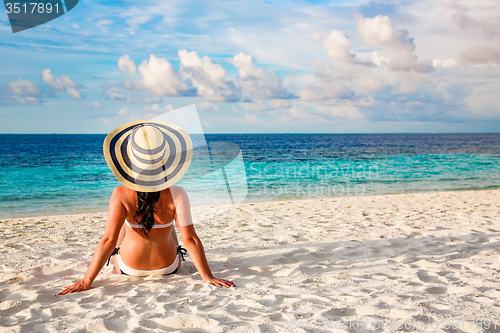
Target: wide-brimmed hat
{"points": [[148, 156]]}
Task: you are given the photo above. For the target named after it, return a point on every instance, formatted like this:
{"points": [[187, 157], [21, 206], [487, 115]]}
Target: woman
{"points": [[148, 158]]}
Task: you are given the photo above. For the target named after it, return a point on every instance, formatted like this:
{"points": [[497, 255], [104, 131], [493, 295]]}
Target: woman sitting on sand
{"points": [[148, 157]]}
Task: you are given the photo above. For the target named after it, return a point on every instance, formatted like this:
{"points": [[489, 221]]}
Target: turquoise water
{"points": [[54, 174]]}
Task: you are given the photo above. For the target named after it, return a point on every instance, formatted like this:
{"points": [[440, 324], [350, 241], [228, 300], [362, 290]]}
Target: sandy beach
{"points": [[405, 262]]}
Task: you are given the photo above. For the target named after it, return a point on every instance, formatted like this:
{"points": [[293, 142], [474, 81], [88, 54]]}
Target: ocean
{"points": [[64, 173]]}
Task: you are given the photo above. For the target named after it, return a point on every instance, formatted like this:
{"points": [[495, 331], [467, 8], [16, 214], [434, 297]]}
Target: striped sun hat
{"points": [[148, 156]]}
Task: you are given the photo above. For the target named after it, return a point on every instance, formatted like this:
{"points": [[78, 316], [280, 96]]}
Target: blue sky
{"points": [[255, 66]]}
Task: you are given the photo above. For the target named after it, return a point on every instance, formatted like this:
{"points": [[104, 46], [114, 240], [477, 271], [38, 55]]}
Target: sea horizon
{"points": [[273, 133], [55, 173]]}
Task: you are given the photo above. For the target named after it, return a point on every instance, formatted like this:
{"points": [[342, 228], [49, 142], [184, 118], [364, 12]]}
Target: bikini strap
{"points": [[115, 251], [156, 226], [182, 251]]}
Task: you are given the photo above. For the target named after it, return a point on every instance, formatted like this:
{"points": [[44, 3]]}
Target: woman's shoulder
{"points": [[178, 192], [177, 189], [122, 190], [122, 193]]}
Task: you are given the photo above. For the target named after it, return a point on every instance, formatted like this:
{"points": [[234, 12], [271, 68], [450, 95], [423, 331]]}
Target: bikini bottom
{"points": [[171, 269]]}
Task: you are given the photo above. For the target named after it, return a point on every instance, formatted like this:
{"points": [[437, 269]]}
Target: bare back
{"points": [[160, 248]]}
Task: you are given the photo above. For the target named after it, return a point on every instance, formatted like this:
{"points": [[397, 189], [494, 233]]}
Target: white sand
{"points": [[392, 259]]}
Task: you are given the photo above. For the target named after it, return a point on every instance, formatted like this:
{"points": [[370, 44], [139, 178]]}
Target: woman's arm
{"points": [[116, 216], [183, 219]]}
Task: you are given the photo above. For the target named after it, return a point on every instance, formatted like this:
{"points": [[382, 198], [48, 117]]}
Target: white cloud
{"points": [[96, 105], [25, 88], [256, 82], [127, 65], [397, 48], [114, 94], [373, 83], [122, 112], [343, 109], [138, 20], [207, 106], [337, 46], [263, 105], [73, 92], [483, 100], [200, 76], [169, 107], [250, 118], [489, 29], [317, 37], [379, 32], [448, 63], [62, 83], [280, 103], [103, 25], [336, 89], [25, 100], [482, 55], [206, 76], [159, 77], [298, 112], [408, 82]]}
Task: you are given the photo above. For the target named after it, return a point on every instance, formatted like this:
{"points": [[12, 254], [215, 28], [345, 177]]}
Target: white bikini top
{"points": [[156, 226]]}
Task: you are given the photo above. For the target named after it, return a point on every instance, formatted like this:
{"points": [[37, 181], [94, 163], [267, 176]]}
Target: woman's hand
{"points": [[220, 282], [77, 287]]}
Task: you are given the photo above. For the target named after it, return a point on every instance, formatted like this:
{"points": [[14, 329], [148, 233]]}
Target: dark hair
{"points": [[145, 211]]}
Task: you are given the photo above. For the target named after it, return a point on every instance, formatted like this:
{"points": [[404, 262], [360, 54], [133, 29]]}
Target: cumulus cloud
{"points": [[24, 88], [62, 83], [370, 83], [159, 77], [207, 77], [482, 55], [202, 77], [256, 82], [96, 105], [127, 65], [122, 112], [391, 61], [328, 90], [21, 91], [337, 46], [379, 32], [397, 47], [448, 63], [29, 100], [280, 103]]}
